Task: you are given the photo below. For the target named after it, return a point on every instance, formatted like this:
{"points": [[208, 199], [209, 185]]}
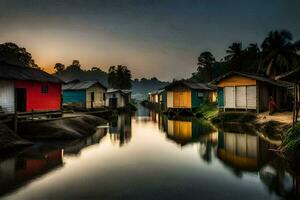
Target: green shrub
{"points": [[206, 111], [291, 139]]}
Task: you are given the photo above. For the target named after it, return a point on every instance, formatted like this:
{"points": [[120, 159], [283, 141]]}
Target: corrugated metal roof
{"points": [[252, 76], [80, 85], [112, 90], [15, 72], [189, 84]]}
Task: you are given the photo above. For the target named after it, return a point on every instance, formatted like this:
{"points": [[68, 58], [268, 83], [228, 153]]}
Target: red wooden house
{"points": [[25, 89]]}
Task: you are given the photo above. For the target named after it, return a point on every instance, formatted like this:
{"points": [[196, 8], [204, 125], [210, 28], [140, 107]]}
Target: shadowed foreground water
{"points": [[151, 157]]}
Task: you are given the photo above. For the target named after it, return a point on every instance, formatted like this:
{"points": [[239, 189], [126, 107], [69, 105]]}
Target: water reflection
{"points": [[40, 160], [28, 165], [120, 130], [238, 148], [165, 159], [182, 131]]}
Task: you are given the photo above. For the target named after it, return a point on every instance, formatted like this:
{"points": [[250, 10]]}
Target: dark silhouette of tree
{"points": [[59, 67], [13, 54], [234, 55], [75, 66], [119, 77], [205, 65], [279, 53]]}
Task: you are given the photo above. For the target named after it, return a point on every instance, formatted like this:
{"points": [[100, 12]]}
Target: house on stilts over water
{"points": [[239, 91], [25, 89], [117, 98], [187, 95], [84, 94]]}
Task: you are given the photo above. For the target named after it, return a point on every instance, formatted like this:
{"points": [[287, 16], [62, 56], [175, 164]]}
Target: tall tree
{"points": [[59, 67], [279, 52], [119, 77], [205, 64], [234, 55], [12, 53]]}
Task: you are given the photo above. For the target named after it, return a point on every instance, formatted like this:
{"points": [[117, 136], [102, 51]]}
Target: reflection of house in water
{"points": [[154, 116], [32, 163], [120, 129], [184, 131], [76, 146], [242, 151]]}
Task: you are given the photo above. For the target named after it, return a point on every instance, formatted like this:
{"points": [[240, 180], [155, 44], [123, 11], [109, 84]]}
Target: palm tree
{"points": [[235, 52], [279, 52]]}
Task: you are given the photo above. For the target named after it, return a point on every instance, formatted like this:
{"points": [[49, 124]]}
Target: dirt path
{"points": [[282, 117]]}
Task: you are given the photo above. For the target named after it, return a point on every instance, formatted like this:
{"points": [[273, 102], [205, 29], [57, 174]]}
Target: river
{"points": [[148, 156]]}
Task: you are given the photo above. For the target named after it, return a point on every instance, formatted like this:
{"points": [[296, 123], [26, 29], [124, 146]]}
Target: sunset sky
{"points": [[159, 38]]}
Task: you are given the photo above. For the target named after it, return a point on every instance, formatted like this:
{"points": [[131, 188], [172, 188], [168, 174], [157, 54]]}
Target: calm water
{"points": [[151, 157]]}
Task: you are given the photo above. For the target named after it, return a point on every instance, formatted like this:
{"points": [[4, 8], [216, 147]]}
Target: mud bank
{"points": [[64, 128], [11, 141]]}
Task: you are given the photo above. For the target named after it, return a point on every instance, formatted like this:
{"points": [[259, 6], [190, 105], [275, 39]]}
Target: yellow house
{"points": [[187, 94]]}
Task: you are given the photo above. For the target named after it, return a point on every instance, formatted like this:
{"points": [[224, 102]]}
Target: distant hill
{"points": [[140, 88]]}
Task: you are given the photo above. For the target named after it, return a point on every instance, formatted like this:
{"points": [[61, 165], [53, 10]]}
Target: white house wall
{"points": [[7, 96], [98, 96], [170, 99], [120, 99]]}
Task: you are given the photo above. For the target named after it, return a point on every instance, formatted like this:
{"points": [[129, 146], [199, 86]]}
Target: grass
{"points": [[206, 111], [291, 139], [239, 117]]}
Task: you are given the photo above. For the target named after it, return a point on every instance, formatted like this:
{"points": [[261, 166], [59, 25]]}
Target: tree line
{"points": [[277, 54]]}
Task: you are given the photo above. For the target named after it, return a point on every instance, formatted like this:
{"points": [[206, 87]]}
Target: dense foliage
{"points": [[277, 54], [13, 54], [119, 77]]}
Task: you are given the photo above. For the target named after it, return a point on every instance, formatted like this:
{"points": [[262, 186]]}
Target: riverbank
{"points": [[72, 127]]}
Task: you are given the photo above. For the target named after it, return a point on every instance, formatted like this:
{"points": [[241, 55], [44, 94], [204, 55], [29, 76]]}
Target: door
{"points": [[229, 93], [113, 102], [241, 97], [92, 99], [21, 99], [220, 97]]}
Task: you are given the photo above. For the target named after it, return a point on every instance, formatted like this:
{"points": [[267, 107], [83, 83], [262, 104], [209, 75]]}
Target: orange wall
{"points": [[236, 80], [182, 98]]}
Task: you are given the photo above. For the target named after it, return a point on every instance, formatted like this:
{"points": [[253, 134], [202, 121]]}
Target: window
{"points": [[44, 88], [200, 94]]}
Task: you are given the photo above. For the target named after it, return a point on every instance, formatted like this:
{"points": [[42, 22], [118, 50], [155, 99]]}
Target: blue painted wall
{"points": [[74, 96], [196, 101]]}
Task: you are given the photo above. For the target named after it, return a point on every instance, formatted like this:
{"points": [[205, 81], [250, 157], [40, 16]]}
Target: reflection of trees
{"points": [[32, 163], [120, 130], [280, 178]]}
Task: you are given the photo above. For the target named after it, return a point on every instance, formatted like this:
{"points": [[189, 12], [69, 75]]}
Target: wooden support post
{"points": [[16, 113], [16, 122], [295, 104]]}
